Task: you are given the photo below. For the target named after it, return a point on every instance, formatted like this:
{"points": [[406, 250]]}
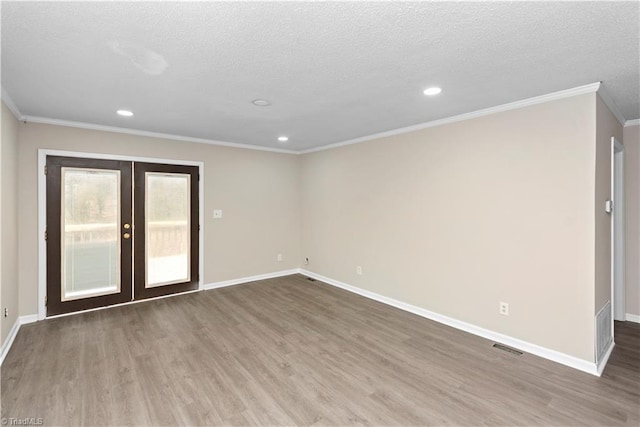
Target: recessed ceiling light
{"points": [[261, 102], [125, 113], [432, 91], [283, 138]]}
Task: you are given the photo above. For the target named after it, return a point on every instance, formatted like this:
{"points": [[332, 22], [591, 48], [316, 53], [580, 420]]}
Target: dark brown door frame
{"points": [[140, 290], [54, 235], [129, 290]]}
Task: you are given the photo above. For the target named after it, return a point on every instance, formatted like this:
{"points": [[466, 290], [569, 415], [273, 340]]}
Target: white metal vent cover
{"points": [[603, 330]]}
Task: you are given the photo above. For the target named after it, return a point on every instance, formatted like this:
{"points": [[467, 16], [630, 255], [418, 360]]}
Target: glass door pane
{"points": [[90, 228], [167, 228]]}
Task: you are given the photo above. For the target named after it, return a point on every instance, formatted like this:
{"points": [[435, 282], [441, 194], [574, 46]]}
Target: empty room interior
{"points": [[327, 213]]}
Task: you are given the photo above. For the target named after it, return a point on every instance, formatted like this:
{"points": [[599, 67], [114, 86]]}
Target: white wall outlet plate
{"points": [[504, 308], [217, 213]]}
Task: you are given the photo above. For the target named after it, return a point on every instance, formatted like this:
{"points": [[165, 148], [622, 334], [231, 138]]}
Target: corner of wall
{"points": [[607, 126], [631, 142], [8, 223]]}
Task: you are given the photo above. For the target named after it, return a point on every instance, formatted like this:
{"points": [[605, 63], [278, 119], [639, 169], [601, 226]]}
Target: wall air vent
{"points": [[603, 330]]}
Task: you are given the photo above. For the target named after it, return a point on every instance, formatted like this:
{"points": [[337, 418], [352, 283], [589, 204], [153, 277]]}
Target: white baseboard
{"points": [[6, 345], [605, 358], [556, 356], [632, 318], [232, 282], [30, 318]]}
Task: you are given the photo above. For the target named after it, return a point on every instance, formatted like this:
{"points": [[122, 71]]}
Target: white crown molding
{"points": [[553, 355], [590, 88], [580, 90], [604, 95], [11, 105], [90, 126]]}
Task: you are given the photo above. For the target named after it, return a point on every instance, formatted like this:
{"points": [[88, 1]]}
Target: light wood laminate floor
{"points": [[289, 351]]}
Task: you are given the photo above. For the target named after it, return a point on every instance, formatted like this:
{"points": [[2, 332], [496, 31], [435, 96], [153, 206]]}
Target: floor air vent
{"points": [[507, 349]]}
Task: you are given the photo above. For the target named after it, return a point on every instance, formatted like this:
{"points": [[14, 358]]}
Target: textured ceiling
{"points": [[333, 71]]}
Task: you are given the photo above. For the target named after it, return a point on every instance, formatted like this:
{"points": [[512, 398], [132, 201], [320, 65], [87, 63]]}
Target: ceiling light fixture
{"points": [[432, 91], [283, 138], [125, 113], [261, 102]]}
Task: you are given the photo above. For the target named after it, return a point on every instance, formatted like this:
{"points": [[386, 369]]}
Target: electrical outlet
{"points": [[6, 312], [359, 271], [217, 213], [279, 257], [504, 308]]}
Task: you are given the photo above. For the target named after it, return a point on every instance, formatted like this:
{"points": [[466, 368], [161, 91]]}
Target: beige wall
{"points": [[3, 118], [258, 192], [454, 219], [459, 217], [606, 126], [9, 221], [631, 140]]}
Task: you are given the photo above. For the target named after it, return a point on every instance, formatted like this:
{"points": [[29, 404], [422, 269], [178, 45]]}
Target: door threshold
{"points": [[55, 316]]}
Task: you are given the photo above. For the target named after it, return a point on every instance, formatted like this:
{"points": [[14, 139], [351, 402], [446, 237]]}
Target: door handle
{"points": [[126, 235]]}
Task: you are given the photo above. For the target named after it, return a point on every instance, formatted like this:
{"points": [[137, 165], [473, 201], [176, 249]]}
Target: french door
{"points": [[119, 231]]}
